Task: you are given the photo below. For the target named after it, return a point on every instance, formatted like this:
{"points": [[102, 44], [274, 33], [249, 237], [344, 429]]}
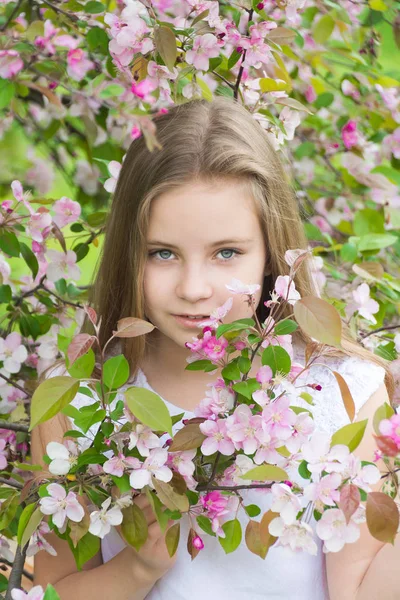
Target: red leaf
{"points": [[387, 445], [349, 500], [382, 517], [91, 313], [132, 327], [346, 396], [79, 346]]}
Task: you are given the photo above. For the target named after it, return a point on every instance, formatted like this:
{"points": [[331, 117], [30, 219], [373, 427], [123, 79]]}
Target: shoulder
{"points": [[363, 378]]}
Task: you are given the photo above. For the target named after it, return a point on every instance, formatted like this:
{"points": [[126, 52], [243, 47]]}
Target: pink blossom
{"points": [[102, 520], [204, 47], [243, 429], [144, 439], [324, 491], [35, 593], [219, 399], [285, 502], [349, 89], [285, 290], [114, 168], [155, 466], [198, 542], [182, 462], [62, 265], [365, 305], [61, 506], [278, 418], [38, 541], [218, 439], [218, 314], [263, 376], [333, 529], [310, 94], [298, 536], [302, 428], [67, 211], [349, 134], [78, 64], [291, 120], [391, 428], [143, 89], [320, 457], [237, 287], [214, 348], [10, 63], [392, 142], [12, 352], [3, 454], [215, 504], [39, 225], [117, 464]]}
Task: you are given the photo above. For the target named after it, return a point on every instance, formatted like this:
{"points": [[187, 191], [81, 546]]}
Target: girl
{"points": [[212, 202]]}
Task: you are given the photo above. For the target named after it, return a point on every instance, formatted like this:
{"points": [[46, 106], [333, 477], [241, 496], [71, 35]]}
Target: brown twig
{"points": [[14, 580], [387, 328], [14, 484], [13, 426]]}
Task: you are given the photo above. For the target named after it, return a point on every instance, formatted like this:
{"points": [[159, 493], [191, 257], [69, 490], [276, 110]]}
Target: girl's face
{"points": [[199, 238]]}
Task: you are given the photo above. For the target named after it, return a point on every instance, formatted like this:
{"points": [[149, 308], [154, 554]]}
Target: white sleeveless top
{"points": [[241, 575]]}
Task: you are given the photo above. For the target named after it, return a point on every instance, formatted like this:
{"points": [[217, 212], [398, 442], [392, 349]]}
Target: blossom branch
{"points": [[14, 426]]}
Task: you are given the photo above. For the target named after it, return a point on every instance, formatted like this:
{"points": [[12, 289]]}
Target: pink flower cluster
{"points": [[391, 428], [209, 346]]}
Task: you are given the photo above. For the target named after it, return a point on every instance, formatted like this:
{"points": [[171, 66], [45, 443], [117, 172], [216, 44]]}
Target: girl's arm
{"points": [[366, 569]]}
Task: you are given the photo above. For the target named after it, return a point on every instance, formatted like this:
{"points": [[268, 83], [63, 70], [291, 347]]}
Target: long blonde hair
{"points": [[200, 141]]}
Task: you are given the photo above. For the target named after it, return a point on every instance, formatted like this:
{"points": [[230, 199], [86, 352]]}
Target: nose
{"points": [[194, 284]]}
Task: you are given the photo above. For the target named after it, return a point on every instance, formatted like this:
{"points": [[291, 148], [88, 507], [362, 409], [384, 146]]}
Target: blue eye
{"points": [[232, 252], [164, 258]]}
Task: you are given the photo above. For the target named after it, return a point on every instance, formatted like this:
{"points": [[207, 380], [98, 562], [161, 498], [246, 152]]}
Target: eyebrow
{"points": [[226, 242]]}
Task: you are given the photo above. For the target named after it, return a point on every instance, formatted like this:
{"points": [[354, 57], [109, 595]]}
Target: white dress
{"points": [[241, 575]]}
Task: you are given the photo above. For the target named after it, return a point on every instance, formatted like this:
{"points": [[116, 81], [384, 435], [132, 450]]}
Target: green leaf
{"points": [[87, 547], [30, 522], [323, 29], [172, 538], [7, 92], [233, 535], [303, 470], [199, 365], [166, 46], [116, 372], [376, 241], [368, 221], [50, 593], [277, 358], [111, 91], [97, 39], [285, 327], [244, 364], [246, 388], [348, 252], [252, 510], [392, 174], [149, 408], [3, 583], [205, 524], [9, 243], [134, 526], [231, 371], [5, 294], [238, 325], [94, 8], [169, 497], [386, 351], [122, 483], [83, 366], [266, 473], [50, 397], [158, 508], [350, 435], [8, 509], [29, 258]]}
